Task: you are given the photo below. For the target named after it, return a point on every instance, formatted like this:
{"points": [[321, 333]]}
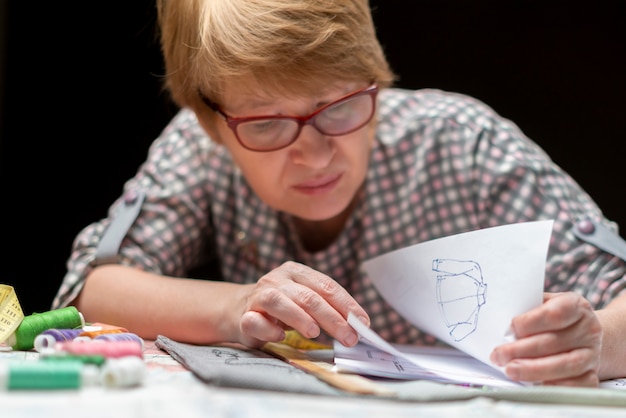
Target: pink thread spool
{"points": [[108, 349]]}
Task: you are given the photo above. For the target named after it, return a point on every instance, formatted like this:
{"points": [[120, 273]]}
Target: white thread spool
{"points": [[123, 372]]}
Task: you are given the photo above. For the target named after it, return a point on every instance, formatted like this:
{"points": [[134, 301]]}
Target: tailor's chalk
{"points": [[36, 375]]}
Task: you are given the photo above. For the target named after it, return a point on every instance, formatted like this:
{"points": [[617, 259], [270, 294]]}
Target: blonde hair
{"points": [[289, 46]]}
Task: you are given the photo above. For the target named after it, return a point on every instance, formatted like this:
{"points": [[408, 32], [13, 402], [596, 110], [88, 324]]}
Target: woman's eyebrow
{"points": [[247, 102]]}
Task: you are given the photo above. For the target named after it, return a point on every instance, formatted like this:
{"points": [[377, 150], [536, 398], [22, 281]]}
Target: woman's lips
{"points": [[319, 185]]}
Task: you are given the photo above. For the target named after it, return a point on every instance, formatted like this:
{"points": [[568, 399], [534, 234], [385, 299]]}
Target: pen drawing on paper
{"points": [[465, 289], [460, 294]]}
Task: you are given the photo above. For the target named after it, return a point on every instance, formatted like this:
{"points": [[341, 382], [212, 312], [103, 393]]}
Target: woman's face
{"points": [[317, 176]]}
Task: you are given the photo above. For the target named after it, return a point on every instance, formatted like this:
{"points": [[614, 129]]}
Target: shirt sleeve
{"points": [[517, 181], [169, 234]]}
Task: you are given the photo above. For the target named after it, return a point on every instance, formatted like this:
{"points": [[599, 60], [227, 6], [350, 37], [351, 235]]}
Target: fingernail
{"points": [[365, 320], [314, 331], [509, 335], [513, 371], [495, 358], [350, 339]]}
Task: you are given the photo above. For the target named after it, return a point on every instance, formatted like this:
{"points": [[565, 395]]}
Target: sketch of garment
{"points": [[460, 294]]}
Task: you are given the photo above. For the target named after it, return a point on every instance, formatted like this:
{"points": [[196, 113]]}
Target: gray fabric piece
{"points": [[244, 368], [255, 369]]}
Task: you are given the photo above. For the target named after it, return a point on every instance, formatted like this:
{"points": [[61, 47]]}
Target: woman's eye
{"points": [[263, 126], [338, 111]]}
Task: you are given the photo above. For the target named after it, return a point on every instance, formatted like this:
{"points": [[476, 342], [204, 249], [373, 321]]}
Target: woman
{"points": [[293, 160]]}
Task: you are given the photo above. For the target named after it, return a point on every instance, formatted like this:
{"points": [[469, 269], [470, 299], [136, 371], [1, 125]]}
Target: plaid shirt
{"points": [[442, 164]]}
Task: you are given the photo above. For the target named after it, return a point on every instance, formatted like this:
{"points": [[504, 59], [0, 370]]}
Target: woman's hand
{"points": [[294, 296], [557, 343]]}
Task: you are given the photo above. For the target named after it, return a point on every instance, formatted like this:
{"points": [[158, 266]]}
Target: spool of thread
{"points": [[99, 326], [122, 336], [95, 359], [30, 374], [93, 334], [108, 349], [48, 338], [123, 372], [32, 325]]}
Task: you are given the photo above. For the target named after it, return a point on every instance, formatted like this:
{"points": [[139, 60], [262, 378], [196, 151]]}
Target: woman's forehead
{"points": [[237, 94]]}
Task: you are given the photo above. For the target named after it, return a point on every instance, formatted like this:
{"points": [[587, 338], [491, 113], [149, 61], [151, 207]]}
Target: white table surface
{"points": [[169, 390]]}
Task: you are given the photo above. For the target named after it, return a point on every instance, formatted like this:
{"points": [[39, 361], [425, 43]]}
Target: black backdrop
{"points": [[82, 100]]}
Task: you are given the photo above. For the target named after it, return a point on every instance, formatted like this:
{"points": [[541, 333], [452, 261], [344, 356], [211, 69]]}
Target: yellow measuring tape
{"points": [[11, 314]]}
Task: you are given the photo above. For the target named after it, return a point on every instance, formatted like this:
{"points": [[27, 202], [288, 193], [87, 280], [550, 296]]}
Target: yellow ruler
{"points": [[11, 314]]}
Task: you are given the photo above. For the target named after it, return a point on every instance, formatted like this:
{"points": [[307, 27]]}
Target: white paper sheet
{"points": [[373, 356], [465, 289]]}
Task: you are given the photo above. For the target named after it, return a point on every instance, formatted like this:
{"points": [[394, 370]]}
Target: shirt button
{"points": [[586, 227], [130, 198]]}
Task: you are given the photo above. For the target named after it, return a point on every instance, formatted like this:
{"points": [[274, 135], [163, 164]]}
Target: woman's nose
{"points": [[313, 148]]}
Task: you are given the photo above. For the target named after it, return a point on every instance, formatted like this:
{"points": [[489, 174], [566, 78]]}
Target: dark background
{"points": [[81, 101]]}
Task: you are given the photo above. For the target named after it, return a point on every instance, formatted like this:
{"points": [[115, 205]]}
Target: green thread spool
{"points": [[25, 374], [38, 375], [95, 359], [32, 325]]}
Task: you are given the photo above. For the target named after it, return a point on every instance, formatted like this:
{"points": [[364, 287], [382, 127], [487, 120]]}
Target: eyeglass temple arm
{"points": [[211, 104]]}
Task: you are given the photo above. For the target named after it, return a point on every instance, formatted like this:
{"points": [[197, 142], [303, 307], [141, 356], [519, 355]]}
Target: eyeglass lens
{"points": [[338, 119]]}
